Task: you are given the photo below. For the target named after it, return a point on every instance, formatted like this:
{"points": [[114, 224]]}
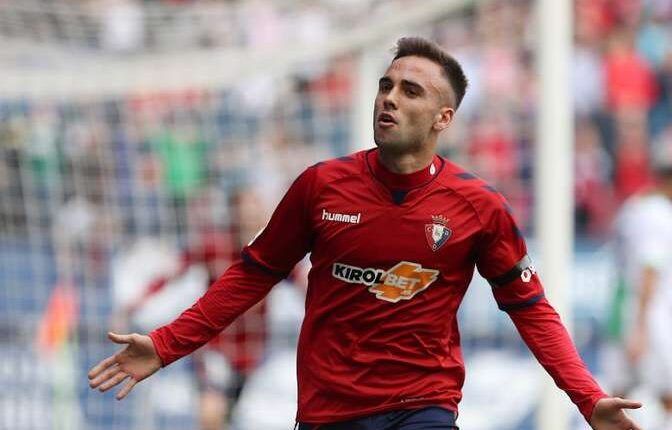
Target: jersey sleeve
{"points": [[264, 262], [517, 289], [289, 234], [237, 290], [503, 261], [545, 334]]}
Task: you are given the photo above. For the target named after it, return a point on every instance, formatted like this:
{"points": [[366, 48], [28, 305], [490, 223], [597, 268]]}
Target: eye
{"points": [[411, 92], [384, 86]]}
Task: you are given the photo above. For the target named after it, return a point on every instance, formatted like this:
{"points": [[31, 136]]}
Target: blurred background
{"points": [[143, 143]]}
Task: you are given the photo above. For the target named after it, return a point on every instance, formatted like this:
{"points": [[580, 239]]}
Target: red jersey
{"points": [[392, 257]]}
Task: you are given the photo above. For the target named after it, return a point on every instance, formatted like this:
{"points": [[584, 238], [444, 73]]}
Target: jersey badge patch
{"points": [[437, 233]]}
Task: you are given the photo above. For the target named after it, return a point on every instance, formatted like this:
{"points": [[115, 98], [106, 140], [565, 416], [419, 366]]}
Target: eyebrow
{"points": [[412, 84], [404, 82]]}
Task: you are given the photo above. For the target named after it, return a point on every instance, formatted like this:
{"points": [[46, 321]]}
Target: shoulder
{"points": [[337, 168], [484, 198]]}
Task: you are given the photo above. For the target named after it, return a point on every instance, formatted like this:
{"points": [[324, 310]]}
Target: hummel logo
{"points": [[352, 219]]}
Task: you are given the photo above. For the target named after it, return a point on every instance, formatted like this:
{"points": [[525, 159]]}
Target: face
{"points": [[414, 103]]}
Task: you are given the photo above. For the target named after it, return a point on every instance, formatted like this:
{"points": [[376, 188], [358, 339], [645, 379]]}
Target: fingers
{"points": [[616, 404], [628, 404], [109, 373], [102, 366], [113, 381], [120, 338], [126, 389]]}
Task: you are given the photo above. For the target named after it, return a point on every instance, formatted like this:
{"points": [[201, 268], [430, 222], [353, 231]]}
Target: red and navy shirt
{"points": [[392, 257]]}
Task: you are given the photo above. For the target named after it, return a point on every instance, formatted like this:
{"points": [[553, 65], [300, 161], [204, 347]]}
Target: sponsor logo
{"points": [[437, 233], [401, 282], [346, 218], [526, 274]]}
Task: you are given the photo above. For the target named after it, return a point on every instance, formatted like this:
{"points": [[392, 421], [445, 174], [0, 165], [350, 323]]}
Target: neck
{"points": [[403, 181], [406, 162]]}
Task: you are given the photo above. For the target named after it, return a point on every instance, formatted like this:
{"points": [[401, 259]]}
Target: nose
{"points": [[390, 100]]}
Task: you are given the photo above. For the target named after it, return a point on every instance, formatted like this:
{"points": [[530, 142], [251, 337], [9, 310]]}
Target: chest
{"points": [[431, 227]]}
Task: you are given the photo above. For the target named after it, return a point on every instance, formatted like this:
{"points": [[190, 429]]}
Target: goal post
{"points": [[554, 179]]}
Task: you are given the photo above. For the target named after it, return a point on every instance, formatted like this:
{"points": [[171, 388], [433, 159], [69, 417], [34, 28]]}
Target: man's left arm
{"points": [[503, 261], [542, 330]]}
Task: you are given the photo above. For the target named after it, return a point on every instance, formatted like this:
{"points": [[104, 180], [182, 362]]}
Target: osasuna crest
{"points": [[437, 232]]}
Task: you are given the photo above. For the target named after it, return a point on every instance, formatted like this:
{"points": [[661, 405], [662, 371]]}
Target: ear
{"points": [[443, 118]]}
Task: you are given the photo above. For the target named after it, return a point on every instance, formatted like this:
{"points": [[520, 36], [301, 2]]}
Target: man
{"points": [[394, 235], [642, 314]]}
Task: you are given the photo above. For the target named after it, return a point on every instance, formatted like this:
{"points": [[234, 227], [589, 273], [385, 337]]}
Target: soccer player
{"points": [[644, 297], [394, 234]]}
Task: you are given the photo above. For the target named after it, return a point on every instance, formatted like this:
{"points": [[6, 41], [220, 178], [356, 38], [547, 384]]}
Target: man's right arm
{"points": [[268, 259], [238, 289], [241, 286]]}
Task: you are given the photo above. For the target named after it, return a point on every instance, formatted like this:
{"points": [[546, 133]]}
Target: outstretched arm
{"points": [[542, 330], [503, 261], [238, 289], [243, 285], [268, 259]]}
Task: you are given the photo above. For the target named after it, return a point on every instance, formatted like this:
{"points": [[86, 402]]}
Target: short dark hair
{"points": [[420, 47]]}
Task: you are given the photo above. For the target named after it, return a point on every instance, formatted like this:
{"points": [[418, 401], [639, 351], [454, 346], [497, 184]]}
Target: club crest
{"points": [[437, 232]]}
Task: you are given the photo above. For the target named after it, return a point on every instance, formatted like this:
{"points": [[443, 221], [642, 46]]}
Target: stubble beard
{"points": [[396, 144]]}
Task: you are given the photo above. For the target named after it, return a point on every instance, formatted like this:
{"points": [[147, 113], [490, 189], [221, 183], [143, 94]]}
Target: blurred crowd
{"points": [[135, 26], [152, 164], [145, 162]]}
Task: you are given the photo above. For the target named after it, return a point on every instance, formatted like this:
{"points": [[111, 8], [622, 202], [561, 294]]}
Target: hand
{"points": [[137, 361], [609, 415]]}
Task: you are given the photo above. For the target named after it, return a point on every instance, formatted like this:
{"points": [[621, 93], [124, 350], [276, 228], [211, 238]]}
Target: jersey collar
{"points": [[399, 181]]}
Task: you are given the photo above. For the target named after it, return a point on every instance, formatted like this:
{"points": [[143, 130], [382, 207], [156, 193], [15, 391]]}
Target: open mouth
{"points": [[386, 120]]}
